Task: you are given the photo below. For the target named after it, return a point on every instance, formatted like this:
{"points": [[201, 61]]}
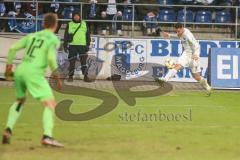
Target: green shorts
{"points": [[34, 83]]}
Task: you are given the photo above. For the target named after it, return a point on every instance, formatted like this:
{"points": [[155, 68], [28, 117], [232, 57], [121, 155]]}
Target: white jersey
{"points": [[190, 47], [206, 2], [112, 8], [189, 43]]}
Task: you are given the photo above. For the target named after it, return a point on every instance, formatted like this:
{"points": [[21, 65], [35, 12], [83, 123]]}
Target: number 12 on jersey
{"points": [[36, 43]]}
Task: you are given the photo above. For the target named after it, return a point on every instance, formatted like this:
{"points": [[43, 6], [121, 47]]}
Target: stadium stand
{"points": [[167, 15], [67, 12], [128, 14], [188, 2], [195, 15], [166, 2], [223, 17], [203, 17], [181, 16]]}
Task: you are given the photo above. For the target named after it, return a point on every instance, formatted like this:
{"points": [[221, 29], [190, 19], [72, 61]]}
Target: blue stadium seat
{"points": [[223, 17], [68, 11], [128, 14], [189, 16], [204, 17], [167, 15], [165, 2]]}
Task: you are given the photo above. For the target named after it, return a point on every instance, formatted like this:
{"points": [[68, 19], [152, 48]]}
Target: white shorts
{"points": [[186, 60]]}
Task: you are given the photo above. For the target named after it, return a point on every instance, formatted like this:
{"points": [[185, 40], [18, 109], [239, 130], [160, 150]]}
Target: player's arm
{"points": [[88, 38], [22, 43], [52, 62], [168, 35], [65, 41]]}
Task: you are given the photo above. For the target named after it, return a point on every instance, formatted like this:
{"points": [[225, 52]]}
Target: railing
{"points": [[133, 22]]}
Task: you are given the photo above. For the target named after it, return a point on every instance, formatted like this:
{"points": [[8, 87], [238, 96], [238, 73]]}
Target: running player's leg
{"points": [[48, 123], [16, 108], [14, 113], [40, 89], [196, 69], [203, 82], [182, 62], [48, 116], [172, 72]]}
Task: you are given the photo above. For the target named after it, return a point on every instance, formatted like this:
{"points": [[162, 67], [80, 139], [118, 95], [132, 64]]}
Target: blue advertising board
{"points": [[225, 68]]}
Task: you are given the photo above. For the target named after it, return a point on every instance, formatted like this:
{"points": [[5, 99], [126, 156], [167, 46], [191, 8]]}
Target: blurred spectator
{"points": [[224, 2], [21, 21], [149, 14], [2, 9], [3, 22], [67, 12], [18, 12], [186, 2], [150, 23], [31, 8], [128, 10], [54, 6], [9, 6], [236, 2], [111, 12], [69, 8], [92, 11], [204, 2]]}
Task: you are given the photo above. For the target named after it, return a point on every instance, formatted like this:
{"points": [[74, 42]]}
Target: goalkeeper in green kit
{"points": [[40, 52]]}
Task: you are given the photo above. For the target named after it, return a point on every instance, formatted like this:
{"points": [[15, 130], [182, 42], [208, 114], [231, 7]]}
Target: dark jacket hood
{"points": [[76, 13]]}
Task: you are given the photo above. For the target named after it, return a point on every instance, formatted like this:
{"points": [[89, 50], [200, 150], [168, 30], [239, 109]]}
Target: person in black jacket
{"points": [[77, 42]]}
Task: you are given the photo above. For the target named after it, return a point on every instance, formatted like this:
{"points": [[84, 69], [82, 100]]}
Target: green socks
{"points": [[14, 113], [48, 118], [48, 121]]}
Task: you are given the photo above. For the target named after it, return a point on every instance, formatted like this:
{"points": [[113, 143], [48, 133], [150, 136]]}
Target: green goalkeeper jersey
{"points": [[40, 51]]}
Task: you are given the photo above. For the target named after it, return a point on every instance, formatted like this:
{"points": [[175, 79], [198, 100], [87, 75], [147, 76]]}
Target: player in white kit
{"points": [[189, 58]]}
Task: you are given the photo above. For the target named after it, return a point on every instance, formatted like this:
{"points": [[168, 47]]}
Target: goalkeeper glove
{"points": [[9, 73]]}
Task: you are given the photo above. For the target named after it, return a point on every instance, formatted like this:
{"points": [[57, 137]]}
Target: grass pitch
{"points": [[210, 129]]}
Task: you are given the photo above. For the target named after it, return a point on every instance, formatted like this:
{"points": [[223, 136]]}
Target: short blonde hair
{"points": [[49, 20]]}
